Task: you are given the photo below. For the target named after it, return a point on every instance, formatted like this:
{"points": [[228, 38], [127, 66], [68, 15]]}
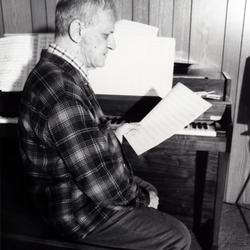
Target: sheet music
{"points": [[138, 66], [19, 54], [141, 64], [179, 108], [16, 55]]}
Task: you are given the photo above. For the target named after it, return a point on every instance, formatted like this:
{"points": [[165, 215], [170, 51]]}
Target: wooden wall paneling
{"points": [[17, 16], [181, 28], [39, 16], [50, 8], [207, 33], [141, 11], [239, 166], [232, 44], [1, 20], [161, 15], [124, 9]]}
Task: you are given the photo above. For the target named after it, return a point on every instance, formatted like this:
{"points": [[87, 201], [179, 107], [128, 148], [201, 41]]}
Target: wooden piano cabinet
{"points": [[189, 172], [220, 190]]}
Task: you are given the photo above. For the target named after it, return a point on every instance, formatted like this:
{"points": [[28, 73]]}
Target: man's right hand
{"points": [[154, 200], [125, 128]]}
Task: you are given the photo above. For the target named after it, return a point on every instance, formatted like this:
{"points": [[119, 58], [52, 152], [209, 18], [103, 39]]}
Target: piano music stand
{"points": [[240, 206]]}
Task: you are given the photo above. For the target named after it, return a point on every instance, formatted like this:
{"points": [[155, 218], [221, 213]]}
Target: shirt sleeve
{"points": [[146, 185], [84, 149]]}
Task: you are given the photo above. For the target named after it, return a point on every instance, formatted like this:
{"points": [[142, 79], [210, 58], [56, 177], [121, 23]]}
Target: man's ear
{"points": [[75, 31]]}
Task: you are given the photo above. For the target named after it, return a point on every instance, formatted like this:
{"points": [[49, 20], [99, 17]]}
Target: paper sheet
{"points": [[138, 66], [179, 108], [19, 54], [16, 55], [141, 64]]}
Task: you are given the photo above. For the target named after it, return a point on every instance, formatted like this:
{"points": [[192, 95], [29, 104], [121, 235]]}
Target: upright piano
{"points": [[163, 165], [207, 141]]}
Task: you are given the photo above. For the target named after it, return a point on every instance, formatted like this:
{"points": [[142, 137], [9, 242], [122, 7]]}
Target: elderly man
{"points": [[80, 179]]}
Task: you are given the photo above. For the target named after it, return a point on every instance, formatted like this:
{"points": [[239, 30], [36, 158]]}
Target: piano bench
{"points": [[23, 231], [20, 226]]}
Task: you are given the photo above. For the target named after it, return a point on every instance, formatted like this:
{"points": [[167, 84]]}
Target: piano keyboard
{"points": [[199, 129], [194, 128]]}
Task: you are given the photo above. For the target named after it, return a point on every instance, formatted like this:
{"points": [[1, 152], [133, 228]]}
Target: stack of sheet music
{"points": [[18, 55]]}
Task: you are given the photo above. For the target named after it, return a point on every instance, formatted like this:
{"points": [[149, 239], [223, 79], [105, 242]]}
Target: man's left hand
{"points": [[154, 200]]}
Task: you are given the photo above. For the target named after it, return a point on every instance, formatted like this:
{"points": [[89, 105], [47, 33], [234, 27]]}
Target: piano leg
{"points": [[220, 190], [200, 180]]}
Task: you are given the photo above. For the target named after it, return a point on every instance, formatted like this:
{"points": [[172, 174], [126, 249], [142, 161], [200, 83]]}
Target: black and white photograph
{"points": [[124, 124]]}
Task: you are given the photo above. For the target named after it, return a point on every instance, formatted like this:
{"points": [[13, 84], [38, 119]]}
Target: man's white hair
{"points": [[84, 10]]}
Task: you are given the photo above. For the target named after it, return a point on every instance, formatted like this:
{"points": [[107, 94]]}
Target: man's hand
{"points": [[124, 129], [154, 200]]}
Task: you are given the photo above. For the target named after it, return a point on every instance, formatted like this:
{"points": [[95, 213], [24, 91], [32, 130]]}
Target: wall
{"points": [[216, 34]]}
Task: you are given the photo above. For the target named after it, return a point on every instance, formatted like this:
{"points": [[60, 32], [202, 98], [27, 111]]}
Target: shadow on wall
{"points": [[244, 105], [244, 118]]}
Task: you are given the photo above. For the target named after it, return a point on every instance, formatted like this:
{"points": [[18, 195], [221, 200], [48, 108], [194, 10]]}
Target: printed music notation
{"points": [[179, 108], [18, 55]]}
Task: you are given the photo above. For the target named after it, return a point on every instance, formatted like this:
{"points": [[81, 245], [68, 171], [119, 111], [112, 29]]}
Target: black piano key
{"points": [[204, 125]]}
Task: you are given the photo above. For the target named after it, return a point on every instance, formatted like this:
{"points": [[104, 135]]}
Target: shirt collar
{"points": [[56, 50]]}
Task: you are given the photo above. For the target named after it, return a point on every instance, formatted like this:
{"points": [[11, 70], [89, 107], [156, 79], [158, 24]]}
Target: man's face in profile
{"points": [[98, 39]]}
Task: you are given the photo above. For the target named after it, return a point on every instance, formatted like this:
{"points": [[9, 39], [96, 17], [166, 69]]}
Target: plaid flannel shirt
{"points": [[79, 176]]}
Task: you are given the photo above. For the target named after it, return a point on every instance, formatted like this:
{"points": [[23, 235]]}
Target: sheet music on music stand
{"points": [[141, 64], [19, 53], [179, 108]]}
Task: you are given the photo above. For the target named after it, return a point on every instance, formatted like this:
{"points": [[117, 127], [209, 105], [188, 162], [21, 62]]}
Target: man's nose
{"points": [[111, 42]]}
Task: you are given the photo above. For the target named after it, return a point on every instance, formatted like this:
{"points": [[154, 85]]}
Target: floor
{"points": [[235, 229], [234, 233]]}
